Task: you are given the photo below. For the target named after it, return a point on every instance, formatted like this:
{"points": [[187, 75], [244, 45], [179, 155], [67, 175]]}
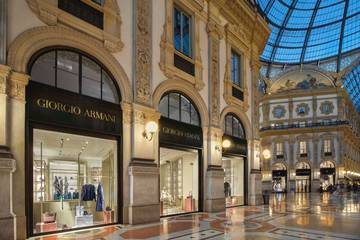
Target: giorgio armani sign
{"points": [[55, 106], [178, 133]]}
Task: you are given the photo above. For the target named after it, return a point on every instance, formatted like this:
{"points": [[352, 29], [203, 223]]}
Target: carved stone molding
{"points": [[7, 161], [143, 65], [214, 84], [16, 85], [142, 114], [4, 74], [167, 49], [110, 36], [127, 112], [32, 40]]}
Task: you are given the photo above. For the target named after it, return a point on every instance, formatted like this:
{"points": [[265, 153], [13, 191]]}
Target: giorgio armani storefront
{"points": [[180, 155], [234, 161], [73, 127]]}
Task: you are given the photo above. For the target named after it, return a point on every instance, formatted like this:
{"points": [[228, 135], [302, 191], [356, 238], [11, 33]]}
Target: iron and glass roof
{"points": [[306, 31], [351, 83]]}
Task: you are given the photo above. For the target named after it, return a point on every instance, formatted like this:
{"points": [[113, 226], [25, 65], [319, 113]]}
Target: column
{"points": [[143, 199], [16, 141], [7, 217], [143, 169], [315, 183], [214, 180], [255, 176]]}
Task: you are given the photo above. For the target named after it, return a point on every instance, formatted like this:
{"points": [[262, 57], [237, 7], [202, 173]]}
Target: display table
{"points": [[46, 227], [84, 220]]}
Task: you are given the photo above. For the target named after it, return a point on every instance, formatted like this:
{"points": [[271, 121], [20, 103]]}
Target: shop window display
{"points": [[234, 180], [73, 181], [179, 181]]}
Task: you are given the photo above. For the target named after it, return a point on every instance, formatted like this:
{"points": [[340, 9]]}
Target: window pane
{"points": [[177, 30], [185, 110], [109, 92], [163, 106], [194, 116], [186, 35], [228, 125], [43, 70], [174, 106], [68, 71], [91, 78], [235, 126]]}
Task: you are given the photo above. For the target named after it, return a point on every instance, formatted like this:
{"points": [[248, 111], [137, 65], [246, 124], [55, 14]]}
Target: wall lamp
{"points": [[225, 144], [267, 154], [150, 129]]}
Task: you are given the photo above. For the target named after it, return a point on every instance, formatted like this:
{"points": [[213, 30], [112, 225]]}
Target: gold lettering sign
{"points": [[76, 110], [180, 133]]}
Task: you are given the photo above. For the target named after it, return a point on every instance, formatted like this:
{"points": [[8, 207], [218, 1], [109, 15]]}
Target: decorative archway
{"points": [[241, 115], [185, 88], [31, 41]]}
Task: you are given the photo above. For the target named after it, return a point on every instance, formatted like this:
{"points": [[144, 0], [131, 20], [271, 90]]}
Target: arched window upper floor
{"points": [[233, 127], [178, 107], [74, 71]]}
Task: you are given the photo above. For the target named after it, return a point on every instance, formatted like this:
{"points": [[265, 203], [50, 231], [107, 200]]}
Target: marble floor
{"points": [[293, 216]]}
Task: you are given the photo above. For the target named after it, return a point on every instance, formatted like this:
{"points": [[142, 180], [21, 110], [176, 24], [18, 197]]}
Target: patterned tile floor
{"points": [[293, 216]]}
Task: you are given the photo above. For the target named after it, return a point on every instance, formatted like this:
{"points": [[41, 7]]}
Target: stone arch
{"points": [[279, 163], [185, 88], [241, 115], [31, 41], [303, 161], [326, 160]]}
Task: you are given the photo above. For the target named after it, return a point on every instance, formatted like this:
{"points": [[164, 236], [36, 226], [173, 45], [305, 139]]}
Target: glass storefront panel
{"points": [[179, 181], [74, 181], [234, 180]]}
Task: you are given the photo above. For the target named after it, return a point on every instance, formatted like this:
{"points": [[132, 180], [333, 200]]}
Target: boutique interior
{"points": [[74, 180], [179, 181], [234, 180]]}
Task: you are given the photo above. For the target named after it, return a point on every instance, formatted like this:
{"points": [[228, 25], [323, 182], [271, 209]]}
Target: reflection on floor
{"points": [[292, 216]]}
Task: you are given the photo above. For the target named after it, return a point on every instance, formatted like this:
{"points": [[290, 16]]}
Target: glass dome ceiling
{"points": [[351, 83], [310, 30]]}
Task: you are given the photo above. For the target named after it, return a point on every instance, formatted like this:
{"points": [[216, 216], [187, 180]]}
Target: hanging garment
{"points": [[100, 202], [88, 192]]}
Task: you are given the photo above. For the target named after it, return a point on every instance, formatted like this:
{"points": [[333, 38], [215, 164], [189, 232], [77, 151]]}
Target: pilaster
{"points": [[143, 55], [143, 170], [7, 216], [16, 141], [4, 74]]}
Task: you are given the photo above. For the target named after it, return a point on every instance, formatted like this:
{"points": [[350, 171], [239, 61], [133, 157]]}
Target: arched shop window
{"points": [[233, 126], [75, 72], [178, 107], [74, 133]]}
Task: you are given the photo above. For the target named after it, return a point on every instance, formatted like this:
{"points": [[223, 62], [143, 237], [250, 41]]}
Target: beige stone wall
{"points": [[142, 82]]}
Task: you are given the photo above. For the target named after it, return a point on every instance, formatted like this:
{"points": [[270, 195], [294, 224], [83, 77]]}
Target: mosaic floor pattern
{"points": [[293, 216]]}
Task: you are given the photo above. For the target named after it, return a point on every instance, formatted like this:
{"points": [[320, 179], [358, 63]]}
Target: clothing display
{"points": [[88, 192], [100, 203]]}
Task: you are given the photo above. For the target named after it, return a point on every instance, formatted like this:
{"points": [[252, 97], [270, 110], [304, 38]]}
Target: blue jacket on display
{"points": [[100, 203], [88, 192]]}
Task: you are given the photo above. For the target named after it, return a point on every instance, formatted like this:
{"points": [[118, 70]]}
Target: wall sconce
{"points": [[150, 129], [226, 143], [267, 154]]}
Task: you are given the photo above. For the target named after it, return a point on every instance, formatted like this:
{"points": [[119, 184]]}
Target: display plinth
{"points": [[46, 227]]}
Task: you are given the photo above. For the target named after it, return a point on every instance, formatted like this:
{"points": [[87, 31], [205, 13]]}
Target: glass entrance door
{"points": [[179, 181], [234, 180]]}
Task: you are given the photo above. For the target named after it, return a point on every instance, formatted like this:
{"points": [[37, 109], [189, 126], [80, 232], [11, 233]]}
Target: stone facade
{"points": [[136, 47]]}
